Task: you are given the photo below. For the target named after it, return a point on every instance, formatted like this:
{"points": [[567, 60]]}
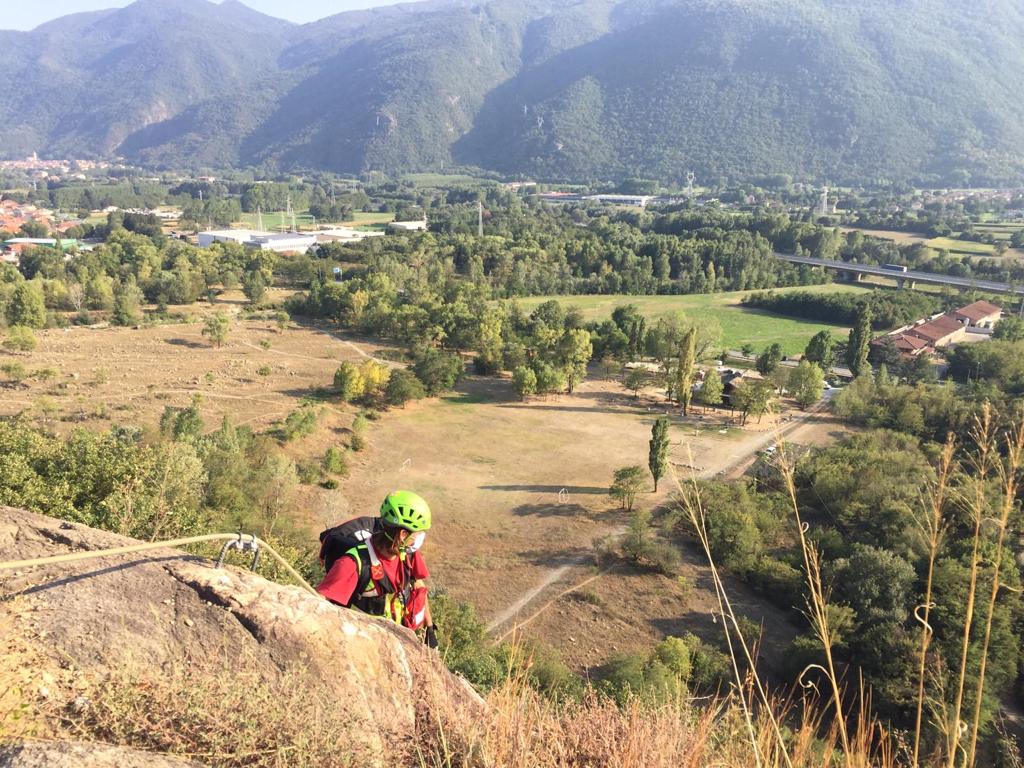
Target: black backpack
{"points": [[336, 541]]}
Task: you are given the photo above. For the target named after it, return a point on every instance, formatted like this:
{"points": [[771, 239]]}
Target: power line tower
{"points": [[479, 219], [824, 201], [259, 219], [691, 177]]}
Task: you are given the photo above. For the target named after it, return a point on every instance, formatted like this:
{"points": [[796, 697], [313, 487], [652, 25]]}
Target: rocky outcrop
{"points": [[66, 624]]}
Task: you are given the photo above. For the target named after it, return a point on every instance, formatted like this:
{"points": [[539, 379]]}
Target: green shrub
{"points": [[334, 461], [309, 472], [299, 423], [20, 338], [264, 370], [14, 371]]}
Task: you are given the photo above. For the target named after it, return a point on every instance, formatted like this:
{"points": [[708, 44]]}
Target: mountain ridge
{"points": [[567, 90]]}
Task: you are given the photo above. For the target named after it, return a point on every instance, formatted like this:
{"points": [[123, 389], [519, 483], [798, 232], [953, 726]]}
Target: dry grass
{"points": [[234, 716]]}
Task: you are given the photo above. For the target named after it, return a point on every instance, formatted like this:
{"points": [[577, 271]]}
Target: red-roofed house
{"points": [[980, 314], [940, 332]]}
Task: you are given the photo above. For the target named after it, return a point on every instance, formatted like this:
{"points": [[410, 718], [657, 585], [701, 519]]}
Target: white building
{"points": [[639, 200], [283, 242], [240, 236], [345, 235], [408, 226], [286, 242]]}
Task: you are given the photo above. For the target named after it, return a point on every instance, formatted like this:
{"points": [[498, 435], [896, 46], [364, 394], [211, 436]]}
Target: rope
{"points": [[96, 553]]}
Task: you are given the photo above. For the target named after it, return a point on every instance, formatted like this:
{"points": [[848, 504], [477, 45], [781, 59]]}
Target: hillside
{"points": [[592, 89]]}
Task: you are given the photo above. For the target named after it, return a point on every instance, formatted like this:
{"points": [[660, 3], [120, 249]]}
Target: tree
{"points": [[254, 286], [375, 377], [685, 368], [348, 380], [713, 389], [635, 380], [1010, 328], [747, 349], [821, 350], [769, 359], [402, 387], [524, 381], [753, 398], [549, 378], [439, 371], [859, 344], [126, 303], [657, 457], [806, 383], [626, 484], [27, 306], [576, 351], [217, 327]]}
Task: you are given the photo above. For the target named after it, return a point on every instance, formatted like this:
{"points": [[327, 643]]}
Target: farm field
{"points": [[370, 220], [739, 324], [951, 244], [102, 376]]}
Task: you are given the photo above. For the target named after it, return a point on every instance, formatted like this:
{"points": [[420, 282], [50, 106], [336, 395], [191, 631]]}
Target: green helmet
{"points": [[405, 509]]}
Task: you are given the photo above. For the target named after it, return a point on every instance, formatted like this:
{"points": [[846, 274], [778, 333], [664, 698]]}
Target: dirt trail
{"points": [[732, 466], [550, 578]]}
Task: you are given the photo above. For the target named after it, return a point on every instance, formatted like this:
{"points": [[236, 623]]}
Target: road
{"points": [[915, 276]]}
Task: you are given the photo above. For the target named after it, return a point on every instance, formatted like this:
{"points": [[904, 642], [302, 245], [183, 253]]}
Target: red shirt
{"points": [[341, 581]]}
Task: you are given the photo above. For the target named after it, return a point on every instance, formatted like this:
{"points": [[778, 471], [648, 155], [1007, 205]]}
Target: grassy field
{"points": [[739, 324], [273, 221], [965, 247], [370, 220]]}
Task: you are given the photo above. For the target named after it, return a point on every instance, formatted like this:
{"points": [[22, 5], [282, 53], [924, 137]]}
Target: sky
{"points": [[21, 15]]}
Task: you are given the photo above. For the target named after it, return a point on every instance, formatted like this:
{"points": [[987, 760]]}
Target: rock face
{"points": [[166, 607]]}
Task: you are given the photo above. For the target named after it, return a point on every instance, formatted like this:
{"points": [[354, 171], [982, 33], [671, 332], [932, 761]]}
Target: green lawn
{"points": [[739, 324], [953, 245]]}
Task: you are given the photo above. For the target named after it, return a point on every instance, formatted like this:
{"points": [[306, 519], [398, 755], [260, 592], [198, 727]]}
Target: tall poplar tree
{"points": [[684, 370], [657, 457], [859, 342]]}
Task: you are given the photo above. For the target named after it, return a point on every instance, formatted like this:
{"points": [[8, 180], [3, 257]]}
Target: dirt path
{"points": [[550, 578], [356, 348], [745, 453]]}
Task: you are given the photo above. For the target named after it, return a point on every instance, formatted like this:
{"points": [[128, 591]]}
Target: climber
{"points": [[376, 566]]}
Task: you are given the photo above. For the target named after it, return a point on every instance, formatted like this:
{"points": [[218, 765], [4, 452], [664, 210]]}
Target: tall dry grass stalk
{"points": [[690, 496], [981, 464], [1008, 471], [933, 526]]}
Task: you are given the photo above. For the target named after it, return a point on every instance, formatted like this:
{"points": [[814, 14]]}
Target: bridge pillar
{"points": [[900, 282]]}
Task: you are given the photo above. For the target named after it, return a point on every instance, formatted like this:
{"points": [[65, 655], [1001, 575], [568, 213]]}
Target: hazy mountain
{"points": [[587, 89]]}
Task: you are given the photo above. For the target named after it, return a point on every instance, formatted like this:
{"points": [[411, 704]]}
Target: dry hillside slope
{"points": [[87, 640]]}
